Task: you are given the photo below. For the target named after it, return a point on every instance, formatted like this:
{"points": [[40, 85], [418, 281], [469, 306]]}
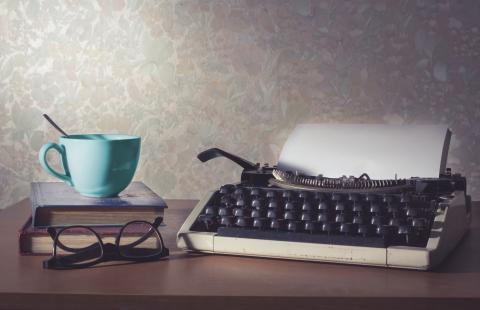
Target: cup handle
{"points": [[42, 157]]}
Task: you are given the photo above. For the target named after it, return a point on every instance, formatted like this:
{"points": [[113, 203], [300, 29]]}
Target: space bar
{"points": [[301, 237]]}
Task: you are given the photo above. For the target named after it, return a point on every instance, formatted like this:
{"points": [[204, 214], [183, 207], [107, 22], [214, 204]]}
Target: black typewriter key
{"points": [[226, 221], [365, 230], [240, 202], [354, 197], [375, 208], [272, 204], [239, 212], [330, 227], [310, 226], [306, 216], [290, 215], [347, 228], [371, 198], [340, 206], [340, 218], [388, 198], [209, 220], [396, 221], [377, 220], [270, 194], [293, 226], [412, 212], [243, 221], [419, 223], [255, 192], [289, 205], [393, 208], [323, 206], [358, 219], [225, 189], [272, 214], [287, 194], [211, 210], [303, 195], [307, 206], [276, 224], [224, 211], [323, 217], [260, 223], [256, 203], [405, 231], [358, 207], [257, 213]]}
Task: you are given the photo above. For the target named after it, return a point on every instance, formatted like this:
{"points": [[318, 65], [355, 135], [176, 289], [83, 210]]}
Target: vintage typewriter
{"points": [[290, 211]]}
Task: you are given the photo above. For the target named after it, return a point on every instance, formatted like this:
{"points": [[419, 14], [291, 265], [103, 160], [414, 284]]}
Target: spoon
{"points": [[54, 125]]}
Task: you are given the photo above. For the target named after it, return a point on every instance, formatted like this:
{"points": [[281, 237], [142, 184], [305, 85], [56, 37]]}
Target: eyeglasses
{"points": [[80, 246]]}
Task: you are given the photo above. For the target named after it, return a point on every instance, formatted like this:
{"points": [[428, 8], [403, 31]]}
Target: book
{"points": [[36, 241], [57, 204]]}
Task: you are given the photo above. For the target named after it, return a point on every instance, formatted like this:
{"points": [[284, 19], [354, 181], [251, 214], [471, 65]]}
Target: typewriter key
{"points": [[243, 221], [290, 215], [256, 203], [257, 213], [260, 223], [293, 226], [272, 214], [211, 210], [307, 206], [347, 228], [272, 204], [289, 205], [226, 221], [239, 212], [310, 226], [255, 192], [306, 216], [224, 211]]}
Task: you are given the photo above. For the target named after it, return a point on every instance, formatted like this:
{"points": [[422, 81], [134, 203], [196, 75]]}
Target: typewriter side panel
{"points": [[195, 240], [300, 251], [448, 229]]}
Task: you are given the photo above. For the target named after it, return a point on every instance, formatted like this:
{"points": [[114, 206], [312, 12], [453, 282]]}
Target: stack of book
{"points": [[56, 204]]}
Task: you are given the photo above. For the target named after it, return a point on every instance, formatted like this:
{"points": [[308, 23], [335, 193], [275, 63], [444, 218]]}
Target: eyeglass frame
{"points": [[109, 251]]}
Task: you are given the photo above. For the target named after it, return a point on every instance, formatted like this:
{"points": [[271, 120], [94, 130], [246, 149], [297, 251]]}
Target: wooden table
{"points": [[187, 281]]}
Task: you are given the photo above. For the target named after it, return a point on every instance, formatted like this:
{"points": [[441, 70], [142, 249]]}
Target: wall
{"points": [[188, 75]]}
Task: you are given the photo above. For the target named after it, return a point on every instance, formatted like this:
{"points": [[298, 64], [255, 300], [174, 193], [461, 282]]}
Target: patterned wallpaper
{"points": [[188, 75]]}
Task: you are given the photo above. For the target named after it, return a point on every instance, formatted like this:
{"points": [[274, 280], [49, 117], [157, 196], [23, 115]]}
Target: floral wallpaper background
{"points": [[189, 75]]}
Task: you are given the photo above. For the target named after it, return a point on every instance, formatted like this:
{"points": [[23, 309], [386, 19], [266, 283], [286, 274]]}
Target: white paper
{"points": [[382, 151]]}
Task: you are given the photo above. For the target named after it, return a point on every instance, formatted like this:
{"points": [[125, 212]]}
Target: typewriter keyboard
{"points": [[375, 220]]}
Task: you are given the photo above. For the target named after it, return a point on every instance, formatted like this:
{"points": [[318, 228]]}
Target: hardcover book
{"points": [[57, 204], [37, 241]]}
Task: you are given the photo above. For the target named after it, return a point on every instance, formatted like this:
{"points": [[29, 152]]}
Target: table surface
{"points": [[217, 281]]}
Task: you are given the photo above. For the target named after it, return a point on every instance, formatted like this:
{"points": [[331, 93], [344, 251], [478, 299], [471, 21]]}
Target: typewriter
{"points": [[291, 211]]}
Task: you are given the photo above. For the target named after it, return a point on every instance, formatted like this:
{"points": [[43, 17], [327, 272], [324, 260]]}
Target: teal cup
{"points": [[95, 165]]}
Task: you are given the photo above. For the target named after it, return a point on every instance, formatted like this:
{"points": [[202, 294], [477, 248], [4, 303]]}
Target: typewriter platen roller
{"points": [[397, 222]]}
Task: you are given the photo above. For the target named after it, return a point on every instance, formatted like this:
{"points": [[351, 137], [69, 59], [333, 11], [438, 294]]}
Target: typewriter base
{"points": [[441, 242]]}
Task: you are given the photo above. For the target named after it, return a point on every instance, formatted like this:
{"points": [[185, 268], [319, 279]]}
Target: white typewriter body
{"points": [[400, 152]]}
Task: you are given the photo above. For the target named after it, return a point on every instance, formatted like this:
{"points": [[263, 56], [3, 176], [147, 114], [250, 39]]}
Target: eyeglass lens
{"points": [[139, 240]]}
